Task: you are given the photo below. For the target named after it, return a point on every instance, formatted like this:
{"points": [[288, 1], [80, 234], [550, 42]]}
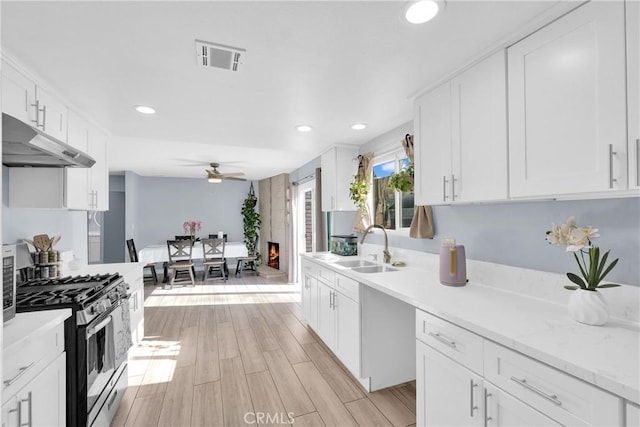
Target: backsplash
{"points": [[623, 302]]}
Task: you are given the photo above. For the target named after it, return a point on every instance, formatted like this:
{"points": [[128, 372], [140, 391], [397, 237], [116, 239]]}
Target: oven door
{"points": [[104, 352]]}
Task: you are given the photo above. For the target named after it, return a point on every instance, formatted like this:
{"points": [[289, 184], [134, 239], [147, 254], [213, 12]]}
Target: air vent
{"points": [[219, 56]]}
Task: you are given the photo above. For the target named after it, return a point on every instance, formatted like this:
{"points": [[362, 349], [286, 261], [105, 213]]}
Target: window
{"points": [[391, 209]]}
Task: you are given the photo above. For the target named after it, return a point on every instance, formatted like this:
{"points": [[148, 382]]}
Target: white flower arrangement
{"points": [[576, 240]]}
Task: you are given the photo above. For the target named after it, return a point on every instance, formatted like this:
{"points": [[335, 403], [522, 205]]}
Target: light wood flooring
{"points": [[240, 353]]}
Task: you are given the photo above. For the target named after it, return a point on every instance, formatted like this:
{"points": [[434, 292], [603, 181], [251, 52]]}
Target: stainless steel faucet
{"points": [[385, 253]]}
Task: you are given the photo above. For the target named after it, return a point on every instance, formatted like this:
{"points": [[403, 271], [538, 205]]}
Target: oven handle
{"points": [[92, 331]]}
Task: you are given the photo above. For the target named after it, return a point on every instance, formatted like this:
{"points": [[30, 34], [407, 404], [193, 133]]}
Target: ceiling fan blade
{"points": [[233, 174], [231, 178]]}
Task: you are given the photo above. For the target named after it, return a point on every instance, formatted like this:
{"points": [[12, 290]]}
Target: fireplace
{"points": [[273, 251]]}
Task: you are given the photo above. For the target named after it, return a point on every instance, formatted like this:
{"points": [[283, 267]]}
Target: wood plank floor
{"points": [[240, 353]]}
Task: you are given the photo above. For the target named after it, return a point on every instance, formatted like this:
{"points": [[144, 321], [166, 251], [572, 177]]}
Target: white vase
{"points": [[588, 307]]}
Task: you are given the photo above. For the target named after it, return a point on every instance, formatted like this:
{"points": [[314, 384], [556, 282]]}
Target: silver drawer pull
{"points": [[21, 371], [472, 406], [551, 397], [442, 339]]}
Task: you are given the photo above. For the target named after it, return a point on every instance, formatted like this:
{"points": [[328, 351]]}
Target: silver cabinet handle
{"points": [[21, 372], [335, 297], [331, 300], [487, 416], [472, 406], [44, 123], [638, 162], [611, 154], [444, 188], [38, 110], [19, 414], [442, 339], [453, 187], [28, 401], [551, 397]]}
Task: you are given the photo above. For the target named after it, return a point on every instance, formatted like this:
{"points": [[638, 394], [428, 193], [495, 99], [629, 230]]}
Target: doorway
{"points": [[305, 221]]}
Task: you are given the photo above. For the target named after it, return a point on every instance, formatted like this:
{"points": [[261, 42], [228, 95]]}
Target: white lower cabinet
{"points": [[448, 393], [633, 415], [507, 389], [309, 295], [348, 332], [326, 327], [501, 409]]}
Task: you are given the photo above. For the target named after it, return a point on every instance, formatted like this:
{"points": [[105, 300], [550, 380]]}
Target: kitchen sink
{"points": [[355, 263], [374, 269]]}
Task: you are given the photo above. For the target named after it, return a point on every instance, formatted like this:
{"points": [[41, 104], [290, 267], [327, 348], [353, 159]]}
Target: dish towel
{"points": [[422, 223]]}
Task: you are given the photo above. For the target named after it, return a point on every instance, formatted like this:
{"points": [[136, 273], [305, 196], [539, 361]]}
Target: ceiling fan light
{"points": [[422, 11], [304, 128], [215, 180], [145, 109]]}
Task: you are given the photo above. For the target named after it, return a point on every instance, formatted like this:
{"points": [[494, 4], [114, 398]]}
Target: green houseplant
{"points": [[358, 191], [403, 180], [251, 222]]}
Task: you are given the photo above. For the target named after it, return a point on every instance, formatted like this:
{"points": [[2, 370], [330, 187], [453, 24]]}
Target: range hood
{"points": [[24, 145]]}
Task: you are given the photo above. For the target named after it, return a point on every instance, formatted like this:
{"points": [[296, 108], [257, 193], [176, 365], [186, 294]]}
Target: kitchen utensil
{"points": [[54, 240], [453, 267], [41, 242]]}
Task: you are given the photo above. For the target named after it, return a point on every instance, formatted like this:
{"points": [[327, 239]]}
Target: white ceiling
{"points": [[326, 63]]}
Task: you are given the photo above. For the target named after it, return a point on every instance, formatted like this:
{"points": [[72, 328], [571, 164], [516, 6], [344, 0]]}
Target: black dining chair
{"points": [[133, 257], [180, 259], [213, 258], [215, 236]]}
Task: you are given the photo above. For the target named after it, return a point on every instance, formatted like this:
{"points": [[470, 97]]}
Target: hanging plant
{"points": [[251, 222], [358, 191], [402, 181]]}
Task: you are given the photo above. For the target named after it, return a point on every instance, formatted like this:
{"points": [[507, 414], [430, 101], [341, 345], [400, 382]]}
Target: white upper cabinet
{"points": [[633, 90], [461, 134], [18, 94], [479, 132], [77, 194], [567, 105], [339, 165], [51, 114], [432, 147], [99, 172]]}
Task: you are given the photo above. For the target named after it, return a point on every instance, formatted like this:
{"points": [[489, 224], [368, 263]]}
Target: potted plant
{"points": [[402, 181], [251, 223], [586, 304], [358, 191]]}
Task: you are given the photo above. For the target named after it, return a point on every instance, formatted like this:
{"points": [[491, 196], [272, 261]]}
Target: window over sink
{"points": [[391, 209]]}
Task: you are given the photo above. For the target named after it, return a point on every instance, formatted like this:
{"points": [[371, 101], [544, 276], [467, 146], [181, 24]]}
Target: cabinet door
{"points": [[18, 94], [505, 410], [326, 315], [348, 332], [310, 300], [329, 168], [77, 195], [633, 415], [448, 394], [52, 115], [44, 397], [99, 172], [633, 90], [10, 412], [479, 132], [432, 127], [136, 315], [567, 107]]}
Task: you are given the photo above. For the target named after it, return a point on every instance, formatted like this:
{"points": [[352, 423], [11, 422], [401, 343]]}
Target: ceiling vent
{"points": [[218, 55]]}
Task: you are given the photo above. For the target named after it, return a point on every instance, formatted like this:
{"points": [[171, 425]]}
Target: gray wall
{"points": [[156, 208], [20, 223]]}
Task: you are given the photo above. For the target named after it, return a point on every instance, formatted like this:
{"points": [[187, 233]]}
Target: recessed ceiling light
{"points": [[422, 11], [358, 126], [144, 109], [304, 128]]}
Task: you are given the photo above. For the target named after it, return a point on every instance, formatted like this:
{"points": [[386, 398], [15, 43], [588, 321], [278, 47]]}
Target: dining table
{"points": [[160, 254]]}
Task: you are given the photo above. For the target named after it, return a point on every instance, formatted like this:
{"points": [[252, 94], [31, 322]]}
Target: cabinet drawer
{"points": [[564, 398], [459, 344], [309, 268], [348, 287], [326, 275], [27, 359]]}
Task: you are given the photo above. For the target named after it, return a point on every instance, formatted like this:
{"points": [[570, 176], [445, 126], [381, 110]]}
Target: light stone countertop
{"points": [[607, 356], [27, 325]]}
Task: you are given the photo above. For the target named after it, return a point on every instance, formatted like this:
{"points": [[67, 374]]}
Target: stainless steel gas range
{"points": [[97, 339]]}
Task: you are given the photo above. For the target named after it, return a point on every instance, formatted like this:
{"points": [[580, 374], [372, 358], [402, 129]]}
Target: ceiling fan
{"points": [[215, 177]]}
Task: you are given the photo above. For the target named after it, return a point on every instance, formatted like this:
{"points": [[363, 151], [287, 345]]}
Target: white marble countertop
{"points": [[607, 356], [26, 325], [121, 267]]}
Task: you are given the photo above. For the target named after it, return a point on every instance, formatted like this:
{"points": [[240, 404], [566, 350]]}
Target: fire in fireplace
{"points": [[273, 250]]}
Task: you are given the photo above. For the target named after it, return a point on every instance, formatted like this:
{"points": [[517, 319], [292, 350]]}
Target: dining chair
{"points": [[213, 257], [180, 259], [215, 236], [133, 257]]}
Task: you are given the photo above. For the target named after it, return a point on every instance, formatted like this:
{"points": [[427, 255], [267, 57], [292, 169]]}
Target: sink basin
{"points": [[374, 269], [355, 263]]}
